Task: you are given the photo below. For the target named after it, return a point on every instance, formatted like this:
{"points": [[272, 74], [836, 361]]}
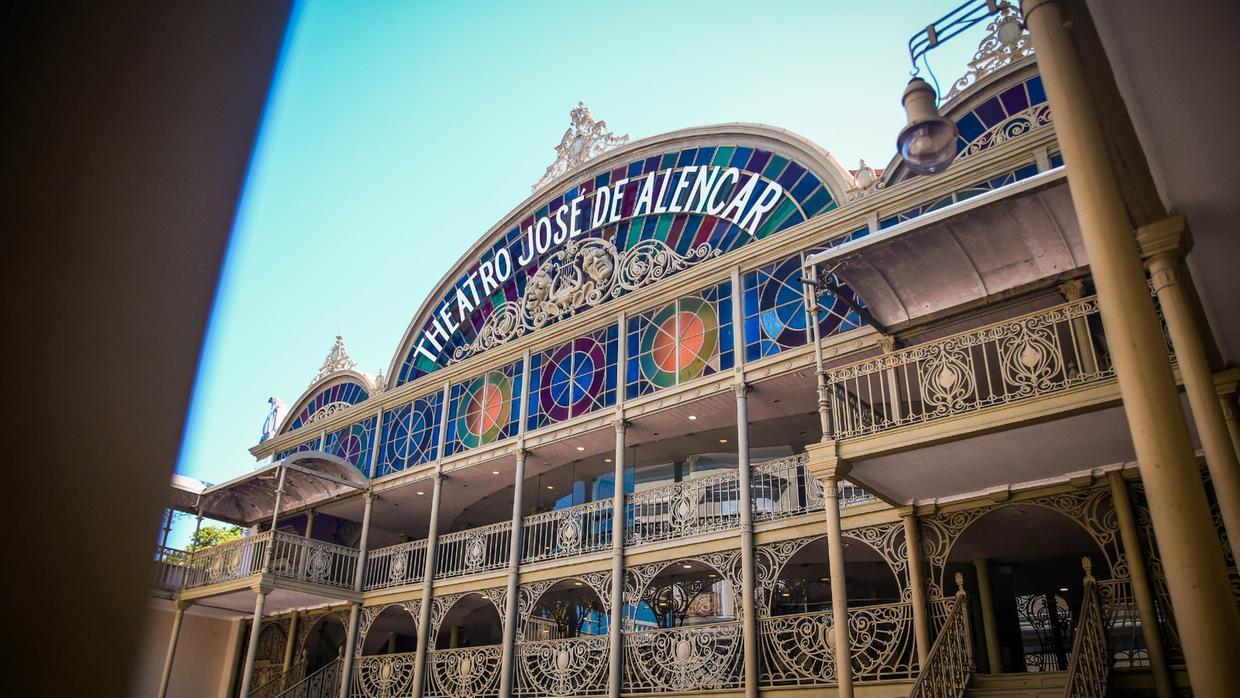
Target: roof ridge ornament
{"points": [[584, 140], [337, 360], [1006, 42]]}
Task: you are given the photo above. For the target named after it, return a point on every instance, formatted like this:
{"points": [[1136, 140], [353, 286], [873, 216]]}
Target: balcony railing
{"points": [[783, 488], [681, 509], [566, 667], [474, 550], [228, 561], [1031, 355], [795, 651], [468, 671], [293, 557], [575, 530], [396, 565], [383, 675], [170, 565], [699, 658]]}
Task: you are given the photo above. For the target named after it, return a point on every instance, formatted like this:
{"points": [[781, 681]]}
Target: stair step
{"points": [[1028, 685]]}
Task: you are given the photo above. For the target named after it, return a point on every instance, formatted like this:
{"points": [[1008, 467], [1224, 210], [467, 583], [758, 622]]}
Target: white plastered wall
{"points": [[204, 659]]}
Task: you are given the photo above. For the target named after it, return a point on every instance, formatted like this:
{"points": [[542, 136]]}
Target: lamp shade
{"points": [[928, 143]]}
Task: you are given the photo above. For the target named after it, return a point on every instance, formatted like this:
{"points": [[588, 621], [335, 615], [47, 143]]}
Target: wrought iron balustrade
{"points": [[681, 509], [950, 664], [1090, 660], [796, 650], [228, 561], [473, 550], [784, 487], [1035, 354], [170, 566], [282, 681], [691, 658], [323, 683], [383, 676], [309, 560], [565, 667], [467, 672], [395, 565], [574, 530]]}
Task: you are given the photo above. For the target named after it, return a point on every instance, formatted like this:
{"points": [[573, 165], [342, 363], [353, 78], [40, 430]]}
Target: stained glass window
{"points": [[774, 309], [353, 443], [682, 340], [573, 378], [311, 445], [484, 410], [672, 224], [965, 193], [410, 435], [1011, 113], [328, 401]]}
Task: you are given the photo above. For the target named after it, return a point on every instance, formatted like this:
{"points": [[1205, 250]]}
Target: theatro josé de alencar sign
{"points": [[614, 231]]}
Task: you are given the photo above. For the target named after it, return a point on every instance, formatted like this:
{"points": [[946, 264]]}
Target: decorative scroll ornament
{"points": [[865, 181], [584, 139], [581, 274], [337, 360], [386, 676], [568, 667], [1006, 42], [1018, 124]]}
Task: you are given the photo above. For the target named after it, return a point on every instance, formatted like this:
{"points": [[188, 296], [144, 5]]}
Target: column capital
{"points": [[621, 424], [1166, 236], [825, 462], [741, 389], [886, 342], [182, 604]]}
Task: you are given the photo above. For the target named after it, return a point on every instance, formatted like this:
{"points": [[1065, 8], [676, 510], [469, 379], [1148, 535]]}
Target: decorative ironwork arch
{"points": [[371, 614]]}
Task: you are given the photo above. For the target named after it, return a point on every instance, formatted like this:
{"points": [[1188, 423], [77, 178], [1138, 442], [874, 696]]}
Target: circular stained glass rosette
{"points": [[572, 379], [486, 403], [679, 342], [833, 312], [783, 314]]}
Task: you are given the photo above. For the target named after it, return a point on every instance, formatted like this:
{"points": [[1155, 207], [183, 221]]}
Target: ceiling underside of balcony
{"points": [[978, 250], [1034, 452]]}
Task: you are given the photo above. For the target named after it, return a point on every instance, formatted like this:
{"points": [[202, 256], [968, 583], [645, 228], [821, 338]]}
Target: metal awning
{"points": [[184, 491], [312, 477], [971, 250]]}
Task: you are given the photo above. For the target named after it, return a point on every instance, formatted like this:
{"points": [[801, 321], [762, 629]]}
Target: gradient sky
{"points": [[398, 133]]}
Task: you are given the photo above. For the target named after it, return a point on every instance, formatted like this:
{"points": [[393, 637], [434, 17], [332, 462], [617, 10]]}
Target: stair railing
{"points": [[324, 683], [1090, 663], [281, 681], [950, 663]]}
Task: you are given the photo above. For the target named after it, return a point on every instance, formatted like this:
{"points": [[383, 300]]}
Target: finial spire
{"points": [[584, 139], [337, 360]]}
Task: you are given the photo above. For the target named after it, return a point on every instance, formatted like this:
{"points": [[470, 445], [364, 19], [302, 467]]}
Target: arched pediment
{"points": [[326, 396], [631, 217]]}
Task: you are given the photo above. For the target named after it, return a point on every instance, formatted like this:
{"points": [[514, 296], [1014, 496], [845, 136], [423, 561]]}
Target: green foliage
{"points": [[209, 536]]}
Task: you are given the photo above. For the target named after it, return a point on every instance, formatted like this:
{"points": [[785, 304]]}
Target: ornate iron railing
{"points": [[797, 649], [574, 530], [324, 683], [473, 550], [1027, 356], [1090, 662], [383, 676], [1123, 623], [309, 560], [695, 658], [680, 509], [170, 566], [950, 664], [228, 561], [280, 682], [395, 565], [783, 487], [469, 672], [567, 667]]}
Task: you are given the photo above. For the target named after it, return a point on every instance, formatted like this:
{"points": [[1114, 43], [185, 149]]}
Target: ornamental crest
{"points": [[1006, 42], [584, 139], [338, 359], [582, 274]]}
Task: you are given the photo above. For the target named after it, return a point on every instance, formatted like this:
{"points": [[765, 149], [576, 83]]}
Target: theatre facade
{"points": [[708, 413]]}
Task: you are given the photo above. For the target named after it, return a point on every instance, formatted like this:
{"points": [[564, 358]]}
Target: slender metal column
{"points": [[748, 578], [1142, 590], [917, 584], [507, 658], [270, 550], [990, 628], [1232, 415], [839, 588], [355, 609], [1196, 576], [166, 677], [289, 642], [615, 626], [163, 542], [428, 587], [251, 650], [1165, 242]]}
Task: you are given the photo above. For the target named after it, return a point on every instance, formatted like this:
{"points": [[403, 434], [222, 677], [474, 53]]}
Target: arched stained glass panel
{"points": [[327, 402], [682, 340], [484, 410], [410, 435], [573, 379]]}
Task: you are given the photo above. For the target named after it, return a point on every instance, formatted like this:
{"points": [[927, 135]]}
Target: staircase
{"points": [[1049, 684]]}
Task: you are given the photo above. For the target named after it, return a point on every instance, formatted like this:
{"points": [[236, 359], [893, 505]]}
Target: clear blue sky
{"points": [[397, 133]]}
